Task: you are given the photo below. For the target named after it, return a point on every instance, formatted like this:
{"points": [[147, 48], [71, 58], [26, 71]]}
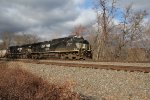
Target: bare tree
{"points": [[105, 16], [147, 28], [78, 30], [6, 38], [132, 30], [25, 39], [122, 38], [146, 39], [30, 38], [112, 41]]}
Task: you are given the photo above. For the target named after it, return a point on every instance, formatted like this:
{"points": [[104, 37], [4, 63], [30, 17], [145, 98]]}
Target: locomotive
{"points": [[71, 47]]}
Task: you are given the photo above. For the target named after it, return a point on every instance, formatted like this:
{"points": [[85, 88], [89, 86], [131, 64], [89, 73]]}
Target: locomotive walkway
{"points": [[140, 67]]}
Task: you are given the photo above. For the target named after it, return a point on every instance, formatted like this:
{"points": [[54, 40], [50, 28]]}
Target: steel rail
{"points": [[94, 66]]}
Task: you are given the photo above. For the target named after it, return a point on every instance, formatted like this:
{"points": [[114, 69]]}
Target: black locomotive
{"points": [[71, 47]]}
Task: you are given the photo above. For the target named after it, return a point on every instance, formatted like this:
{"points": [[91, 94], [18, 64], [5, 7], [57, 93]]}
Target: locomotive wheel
{"points": [[70, 56], [34, 57], [78, 57], [73, 56], [40, 56], [62, 56]]}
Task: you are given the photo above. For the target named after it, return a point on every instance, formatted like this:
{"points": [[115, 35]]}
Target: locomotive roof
{"points": [[53, 40]]}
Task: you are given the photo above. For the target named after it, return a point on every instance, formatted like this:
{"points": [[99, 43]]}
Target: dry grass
{"points": [[18, 84]]}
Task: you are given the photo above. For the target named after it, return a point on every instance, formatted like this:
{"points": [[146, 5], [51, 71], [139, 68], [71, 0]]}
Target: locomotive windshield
{"points": [[82, 44], [79, 45]]}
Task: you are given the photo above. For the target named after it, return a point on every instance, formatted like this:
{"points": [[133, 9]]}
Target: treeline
{"points": [[120, 34], [127, 39], [9, 39]]}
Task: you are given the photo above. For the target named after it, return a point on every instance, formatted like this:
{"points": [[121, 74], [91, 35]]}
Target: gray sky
{"points": [[45, 18], [50, 18]]}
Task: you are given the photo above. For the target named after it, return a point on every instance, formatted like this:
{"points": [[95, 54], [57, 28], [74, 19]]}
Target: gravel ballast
{"points": [[98, 84]]}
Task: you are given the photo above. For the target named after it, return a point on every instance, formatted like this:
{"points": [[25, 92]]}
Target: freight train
{"points": [[71, 47]]}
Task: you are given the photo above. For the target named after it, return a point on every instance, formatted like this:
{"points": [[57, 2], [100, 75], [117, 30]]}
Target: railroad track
{"points": [[90, 65]]}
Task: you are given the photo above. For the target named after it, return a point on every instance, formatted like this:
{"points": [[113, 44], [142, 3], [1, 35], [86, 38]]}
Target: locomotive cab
{"points": [[82, 46]]}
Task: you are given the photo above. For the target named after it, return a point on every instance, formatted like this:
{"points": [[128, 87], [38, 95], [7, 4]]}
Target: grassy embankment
{"points": [[18, 84]]}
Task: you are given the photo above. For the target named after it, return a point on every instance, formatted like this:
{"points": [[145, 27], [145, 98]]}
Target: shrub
{"points": [[18, 84]]}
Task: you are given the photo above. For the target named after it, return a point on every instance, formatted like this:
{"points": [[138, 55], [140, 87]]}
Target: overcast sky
{"points": [[51, 18]]}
